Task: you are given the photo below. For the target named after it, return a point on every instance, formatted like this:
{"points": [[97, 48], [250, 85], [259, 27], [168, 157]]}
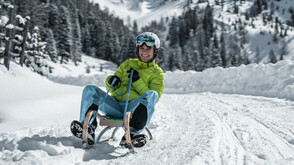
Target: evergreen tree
{"points": [[272, 57], [98, 38], [51, 48], [131, 47], [135, 28], [35, 56], [63, 36], [208, 25], [76, 42], [234, 51], [86, 40], [109, 43], [216, 59], [223, 53], [257, 55], [183, 34], [283, 49], [178, 58], [198, 61], [172, 35]]}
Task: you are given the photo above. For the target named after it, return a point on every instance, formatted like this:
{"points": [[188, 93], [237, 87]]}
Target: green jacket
{"points": [[151, 78]]}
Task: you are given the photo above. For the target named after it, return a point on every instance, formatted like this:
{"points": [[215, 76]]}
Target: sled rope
{"points": [[94, 116], [128, 90], [128, 93]]}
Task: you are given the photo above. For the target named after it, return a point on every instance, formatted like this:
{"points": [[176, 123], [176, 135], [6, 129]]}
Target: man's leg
{"points": [[139, 117], [142, 109], [92, 97]]}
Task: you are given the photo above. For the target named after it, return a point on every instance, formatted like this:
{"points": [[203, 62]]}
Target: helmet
{"points": [[150, 39]]}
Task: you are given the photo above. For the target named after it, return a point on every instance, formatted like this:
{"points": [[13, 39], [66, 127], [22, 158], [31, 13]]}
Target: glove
{"points": [[135, 75], [112, 78]]}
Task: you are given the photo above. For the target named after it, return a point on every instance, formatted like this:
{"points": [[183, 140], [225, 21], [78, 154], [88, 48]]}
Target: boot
{"points": [[77, 130]]}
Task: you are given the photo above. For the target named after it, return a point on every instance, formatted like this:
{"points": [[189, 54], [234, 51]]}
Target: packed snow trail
{"points": [[203, 128]]}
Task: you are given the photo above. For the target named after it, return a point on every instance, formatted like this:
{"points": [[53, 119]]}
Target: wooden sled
{"points": [[111, 123]]}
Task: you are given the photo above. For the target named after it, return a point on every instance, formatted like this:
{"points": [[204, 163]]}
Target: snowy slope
{"points": [[145, 11], [195, 128], [142, 11]]}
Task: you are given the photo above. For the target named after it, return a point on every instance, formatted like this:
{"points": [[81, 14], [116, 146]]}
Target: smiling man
{"points": [[147, 87]]}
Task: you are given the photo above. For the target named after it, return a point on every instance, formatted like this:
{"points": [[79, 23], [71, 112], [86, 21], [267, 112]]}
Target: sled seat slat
{"points": [[107, 121]]}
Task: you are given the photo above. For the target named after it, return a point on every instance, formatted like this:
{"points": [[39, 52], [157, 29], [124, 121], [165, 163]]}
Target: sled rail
{"points": [[110, 123]]}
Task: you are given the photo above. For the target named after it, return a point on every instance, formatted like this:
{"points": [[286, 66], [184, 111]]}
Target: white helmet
{"points": [[149, 39]]}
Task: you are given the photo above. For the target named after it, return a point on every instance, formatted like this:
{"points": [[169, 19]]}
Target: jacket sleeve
{"points": [[156, 84], [118, 73]]}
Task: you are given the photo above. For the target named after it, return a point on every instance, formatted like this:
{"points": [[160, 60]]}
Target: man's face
{"points": [[146, 52]]}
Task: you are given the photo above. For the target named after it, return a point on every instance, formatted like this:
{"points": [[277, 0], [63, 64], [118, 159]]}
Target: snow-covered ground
{"points": [[202, 118]]}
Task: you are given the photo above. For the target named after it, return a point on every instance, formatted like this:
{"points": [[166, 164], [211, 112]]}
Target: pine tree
{"points": [[172, 35], [257, 55], [183, 33], [76, 42], [223, 53], [178, 58], [208, 25], [131, 47], [135, 28], [51, 48], [216, 59], [86, 40], [272, 57], [98, 38], [36, 58], [109, 41], [234, 51], [283, 49], [63, 36]]}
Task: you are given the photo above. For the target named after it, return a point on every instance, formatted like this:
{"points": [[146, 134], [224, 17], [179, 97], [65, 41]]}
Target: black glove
{"points": [[135, 75], [112, 78]]}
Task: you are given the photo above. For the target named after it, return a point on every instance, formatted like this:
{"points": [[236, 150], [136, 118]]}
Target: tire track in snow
{"points": [[261, 140]]}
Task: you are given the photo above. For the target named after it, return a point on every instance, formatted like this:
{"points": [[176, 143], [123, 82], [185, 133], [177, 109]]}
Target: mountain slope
{"points": [[142, 11], [260, 34]]}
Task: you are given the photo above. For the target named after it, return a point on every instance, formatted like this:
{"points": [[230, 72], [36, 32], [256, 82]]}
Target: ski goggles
{"points": [[147, 39]]}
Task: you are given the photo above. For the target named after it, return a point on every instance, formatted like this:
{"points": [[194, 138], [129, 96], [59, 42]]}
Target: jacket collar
{"points": [[142, 64]]}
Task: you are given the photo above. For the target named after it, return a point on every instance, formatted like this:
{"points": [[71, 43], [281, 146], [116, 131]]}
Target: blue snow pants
{"points": [[113, 108]]}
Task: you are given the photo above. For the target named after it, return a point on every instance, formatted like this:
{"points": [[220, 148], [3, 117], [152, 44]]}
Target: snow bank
{"points": [[270, 80], [25, 96]]}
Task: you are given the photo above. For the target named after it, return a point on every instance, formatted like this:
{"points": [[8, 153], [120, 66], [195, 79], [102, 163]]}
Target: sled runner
{"points": [[111, 123]]}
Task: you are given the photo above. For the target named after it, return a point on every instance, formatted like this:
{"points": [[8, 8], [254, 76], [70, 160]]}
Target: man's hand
{"points": [[116, 81], [135, 75]]}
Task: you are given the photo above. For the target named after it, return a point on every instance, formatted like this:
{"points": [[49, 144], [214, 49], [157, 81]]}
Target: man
{"points": [[146, 89]]}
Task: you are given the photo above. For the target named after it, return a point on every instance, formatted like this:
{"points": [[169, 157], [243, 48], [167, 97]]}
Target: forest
{"points": [[63, 31]]}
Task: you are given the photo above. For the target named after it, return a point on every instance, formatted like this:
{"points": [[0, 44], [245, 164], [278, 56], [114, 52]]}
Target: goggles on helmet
{"points": [[147, 39]]}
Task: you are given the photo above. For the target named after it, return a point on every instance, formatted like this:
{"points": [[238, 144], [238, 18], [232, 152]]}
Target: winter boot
{"points": [[77, 130], [138, 140]]}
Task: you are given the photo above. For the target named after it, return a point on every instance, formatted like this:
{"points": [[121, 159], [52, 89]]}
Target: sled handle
{"points": [[94, 116], [129, 87]]}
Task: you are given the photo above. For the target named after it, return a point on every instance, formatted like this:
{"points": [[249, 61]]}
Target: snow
{"points": [[21, 19], [240, 115], [4, 19], [270, 80], [9, 26], [142, 11]]}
